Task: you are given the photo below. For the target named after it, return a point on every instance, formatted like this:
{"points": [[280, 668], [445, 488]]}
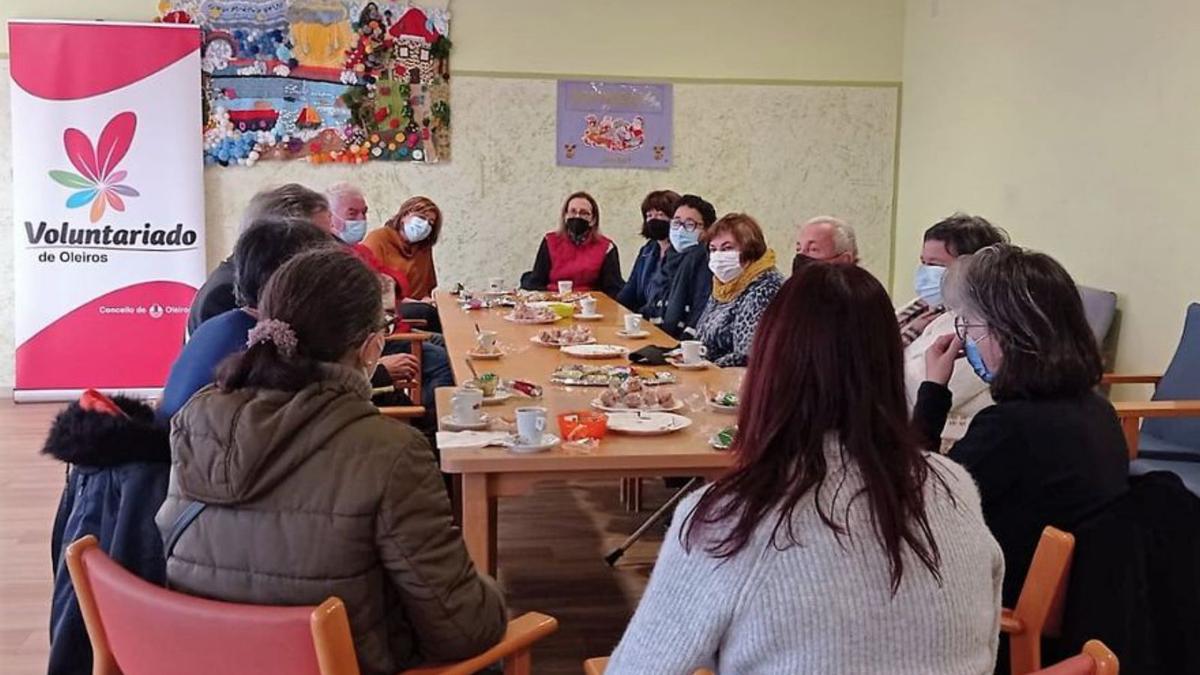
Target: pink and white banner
{"points": [[108, 202]]}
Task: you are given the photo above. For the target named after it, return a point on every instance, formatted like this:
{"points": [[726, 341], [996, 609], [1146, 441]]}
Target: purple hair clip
{"points": [[276, 331]]}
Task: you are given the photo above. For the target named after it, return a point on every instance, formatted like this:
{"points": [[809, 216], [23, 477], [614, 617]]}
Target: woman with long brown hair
{"points": [[834, 545], [577, 252]]}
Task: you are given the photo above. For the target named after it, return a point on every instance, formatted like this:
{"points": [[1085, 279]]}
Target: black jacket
{"points": [[214, 297], [1037, 463], [690, 288], [116, 483], [1135, 580]]}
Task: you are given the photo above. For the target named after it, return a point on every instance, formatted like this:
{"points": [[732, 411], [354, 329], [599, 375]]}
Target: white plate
{"points": [[537, 340], [589, 317], [727, 409], [600, 406], [500, 396], [715, 442], [485, 356], [635, 335], [529, 322], [699, 365], [594, 351], [449, 424], [647, 424], [548, 442]]}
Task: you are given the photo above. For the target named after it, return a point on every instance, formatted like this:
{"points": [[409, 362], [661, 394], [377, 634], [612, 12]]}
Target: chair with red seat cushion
{"points": [[137, 628]]}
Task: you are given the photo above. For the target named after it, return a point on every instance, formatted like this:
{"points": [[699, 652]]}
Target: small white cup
{"points": [[692, 351], [485, 341], [467, 406], [496, 284], [633, 323], [531, 425], [587, 305], [565, 287]]}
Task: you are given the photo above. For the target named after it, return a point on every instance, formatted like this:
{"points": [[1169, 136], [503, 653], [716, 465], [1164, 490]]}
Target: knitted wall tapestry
{"points": [[340, 81]]}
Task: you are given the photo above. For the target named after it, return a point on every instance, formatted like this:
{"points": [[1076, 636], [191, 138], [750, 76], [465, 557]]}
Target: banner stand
{"points": [[108, 203]]}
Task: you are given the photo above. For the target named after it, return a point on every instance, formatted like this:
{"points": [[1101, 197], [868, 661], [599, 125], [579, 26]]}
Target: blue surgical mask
{"points": [[929, 284], [975, 358], [353, 231], [682, 240], [417, 229]]}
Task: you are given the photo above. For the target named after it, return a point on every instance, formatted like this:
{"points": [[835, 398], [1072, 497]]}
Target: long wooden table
{"points": [[489, 473]]}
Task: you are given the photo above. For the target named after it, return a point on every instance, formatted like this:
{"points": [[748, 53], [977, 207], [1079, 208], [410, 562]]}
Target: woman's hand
{"points": [[401, 367], [940, 358]]}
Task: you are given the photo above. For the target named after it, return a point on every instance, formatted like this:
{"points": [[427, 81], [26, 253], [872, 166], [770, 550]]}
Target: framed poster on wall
{"points": [[625, 125]]}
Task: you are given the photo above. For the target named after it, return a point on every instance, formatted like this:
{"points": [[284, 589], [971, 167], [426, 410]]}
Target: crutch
{"points": [[615, 554]]}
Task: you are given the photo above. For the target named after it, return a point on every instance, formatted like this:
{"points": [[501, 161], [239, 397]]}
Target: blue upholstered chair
{"points": [[1100, 309], [1169, 437]]}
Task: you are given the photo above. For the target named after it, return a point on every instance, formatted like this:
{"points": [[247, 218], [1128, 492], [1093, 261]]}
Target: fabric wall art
{"points": [[341, 81], [614, 124]]}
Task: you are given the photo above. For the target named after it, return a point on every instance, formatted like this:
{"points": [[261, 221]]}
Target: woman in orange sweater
{"points": [[405, 243]]}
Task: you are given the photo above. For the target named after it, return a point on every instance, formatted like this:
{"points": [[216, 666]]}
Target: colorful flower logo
{"points": [[98, 183]]}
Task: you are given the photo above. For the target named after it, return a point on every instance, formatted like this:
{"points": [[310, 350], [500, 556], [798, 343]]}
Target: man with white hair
{"points": [[827, 239]]}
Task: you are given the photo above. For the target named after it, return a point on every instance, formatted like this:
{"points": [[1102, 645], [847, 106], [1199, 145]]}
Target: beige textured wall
{"points": [[781, 153], [1073, 125]]}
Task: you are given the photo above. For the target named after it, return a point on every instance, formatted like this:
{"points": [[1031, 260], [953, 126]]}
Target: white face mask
{"points": [[725, 265], [417, 229]]}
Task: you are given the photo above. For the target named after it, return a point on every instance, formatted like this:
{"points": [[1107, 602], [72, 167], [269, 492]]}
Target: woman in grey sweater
{"points": [[834, 545], [744, 283]]}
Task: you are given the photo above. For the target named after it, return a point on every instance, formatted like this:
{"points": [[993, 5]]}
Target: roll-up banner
{"points": [[108, 202]]}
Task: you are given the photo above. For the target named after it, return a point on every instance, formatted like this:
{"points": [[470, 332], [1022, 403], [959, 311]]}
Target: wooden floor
{"points": [[551, 548]]}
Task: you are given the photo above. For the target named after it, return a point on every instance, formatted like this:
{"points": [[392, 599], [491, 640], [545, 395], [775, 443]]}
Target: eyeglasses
{"points": [[388, 326], [686, 225], [961, 325]]}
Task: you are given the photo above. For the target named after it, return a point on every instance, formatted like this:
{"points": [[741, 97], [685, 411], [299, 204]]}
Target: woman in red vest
{"points": [[577, 252]]}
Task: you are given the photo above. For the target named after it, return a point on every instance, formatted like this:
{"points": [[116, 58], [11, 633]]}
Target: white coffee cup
{"points": [[692, 351], [633, 323], [467, 406], [531, 425], [485, 341], [496, 284], [565, 287], [588, 305]]}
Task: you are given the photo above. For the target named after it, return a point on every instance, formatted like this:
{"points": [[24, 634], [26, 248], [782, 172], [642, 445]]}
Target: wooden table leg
{"points": [[478, 526]]}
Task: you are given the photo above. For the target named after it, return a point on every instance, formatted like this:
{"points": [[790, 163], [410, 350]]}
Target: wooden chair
{"points": [[136, 627], [597, 666], [1096, 659], [410, 387], [1039, 607]]}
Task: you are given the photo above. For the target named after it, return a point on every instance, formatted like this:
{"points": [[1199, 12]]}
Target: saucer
{"points": [[449, 424], [485, 356], [589, 317], [699, 365], [635, 335], [548, 441]]}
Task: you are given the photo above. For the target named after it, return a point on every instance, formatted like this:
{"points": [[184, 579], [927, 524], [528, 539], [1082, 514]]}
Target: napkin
{"points": [[651, 355], [471, 439]]}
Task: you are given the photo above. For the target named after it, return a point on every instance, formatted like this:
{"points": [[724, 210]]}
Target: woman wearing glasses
{"points": [[308, 492], [682, 284], [577, 252], [1050, 451], [656, 212]]}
